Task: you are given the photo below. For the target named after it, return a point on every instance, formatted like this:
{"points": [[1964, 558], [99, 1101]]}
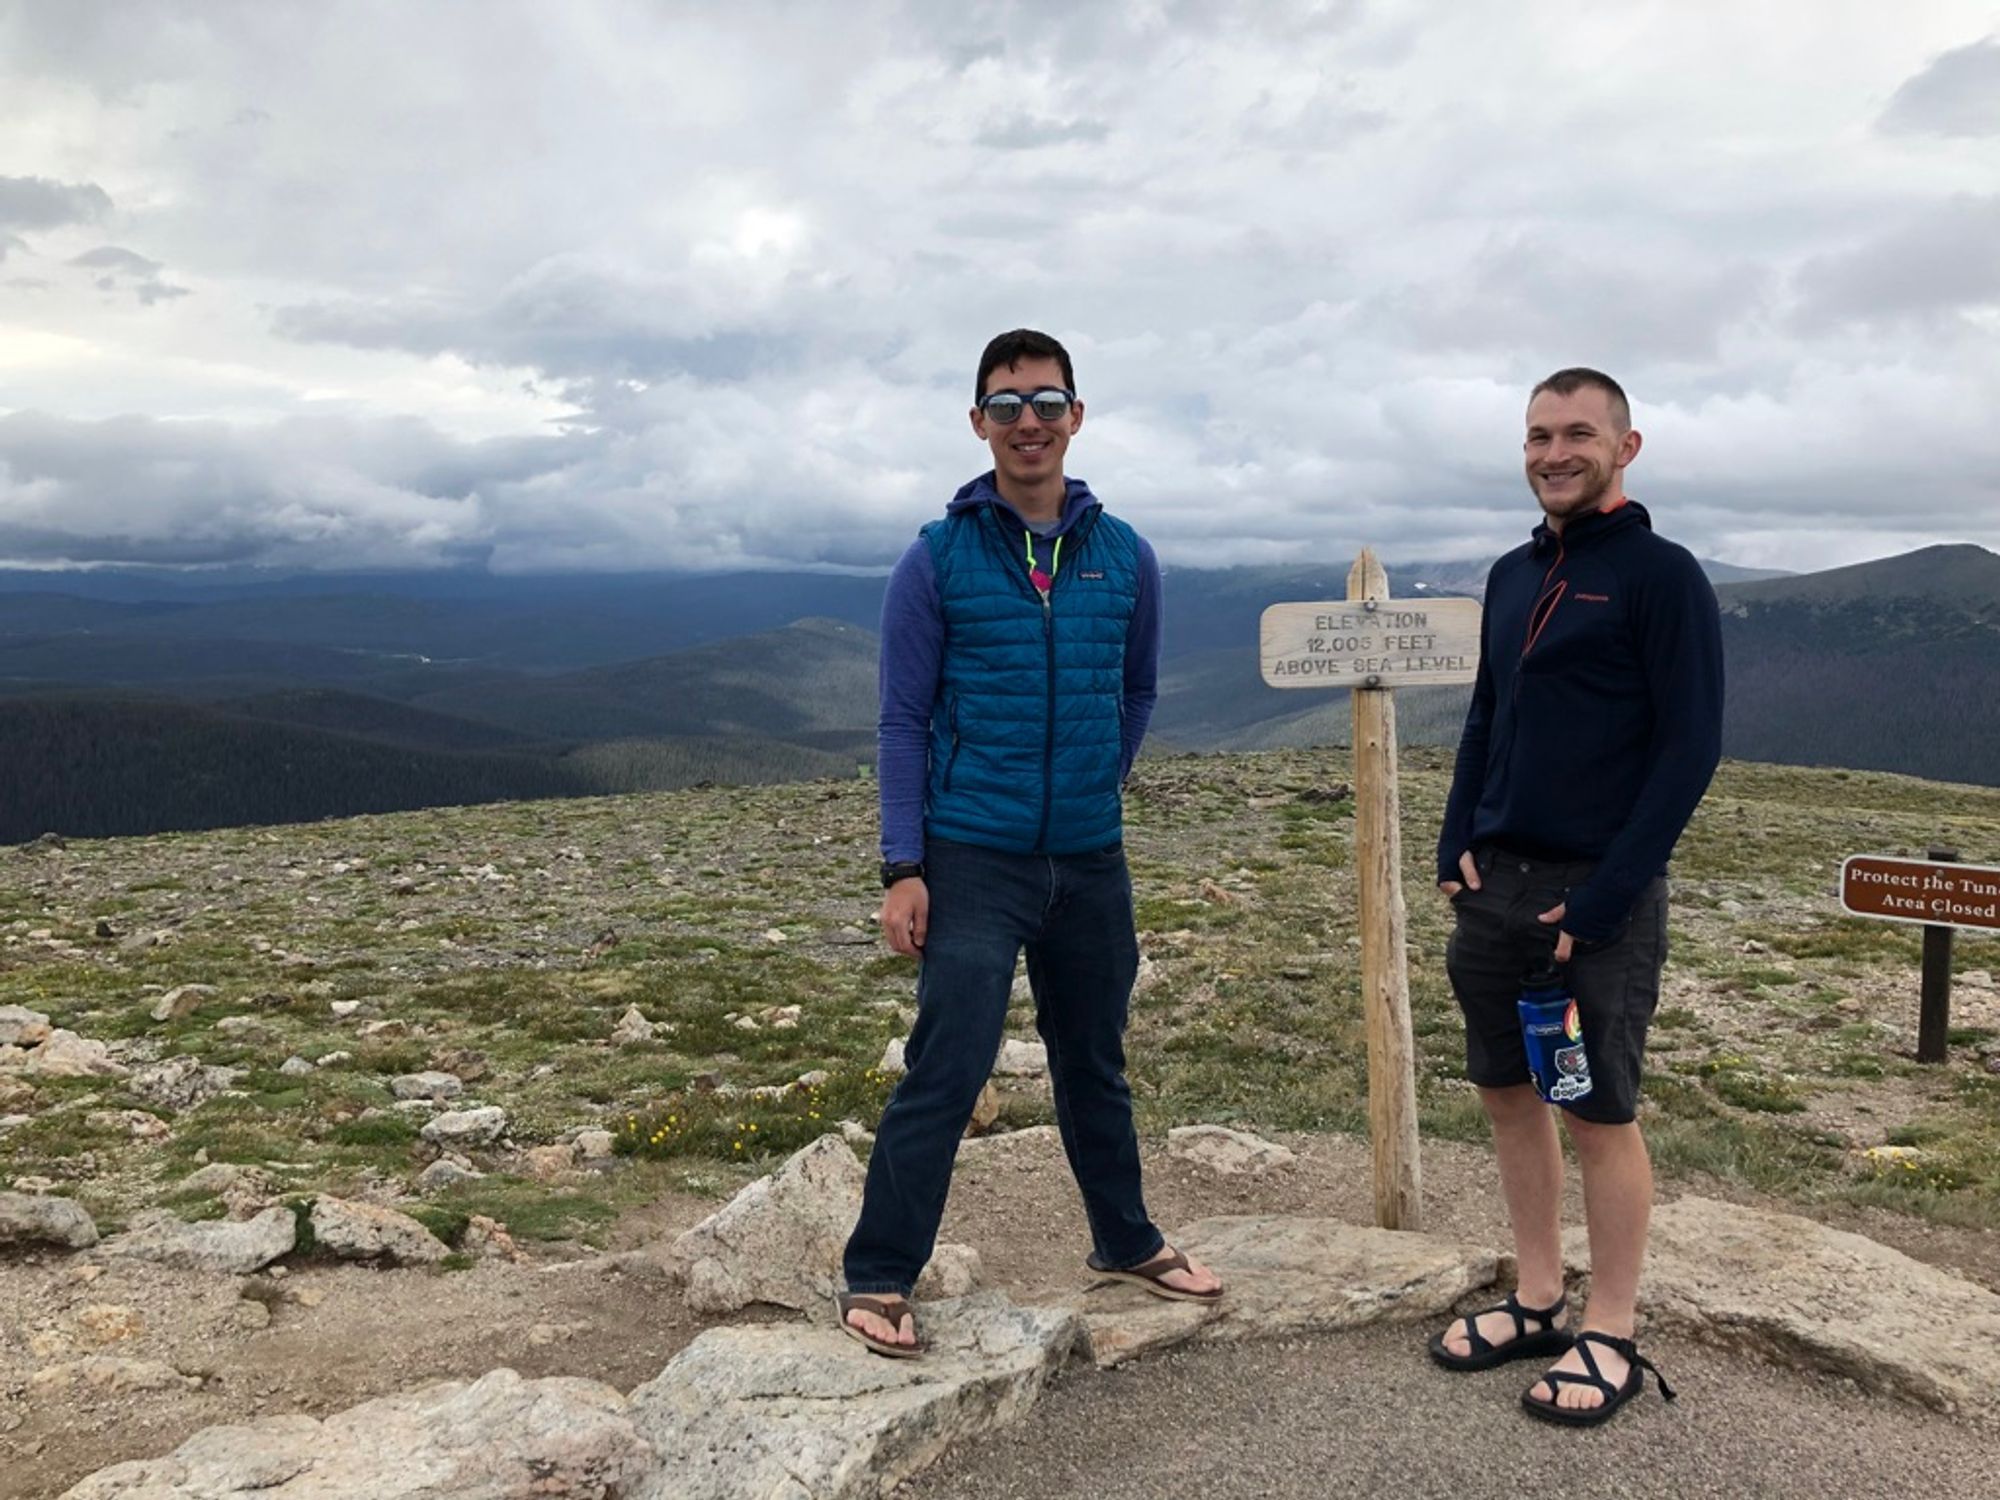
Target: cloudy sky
{"points": [[616, 285]]}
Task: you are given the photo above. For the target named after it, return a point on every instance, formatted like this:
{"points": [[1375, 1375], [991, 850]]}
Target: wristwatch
{"points": [[901, 869]]}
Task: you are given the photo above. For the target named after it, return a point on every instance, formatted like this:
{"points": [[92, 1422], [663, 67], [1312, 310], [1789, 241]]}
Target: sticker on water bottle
{"points": [[1572, 1062]]}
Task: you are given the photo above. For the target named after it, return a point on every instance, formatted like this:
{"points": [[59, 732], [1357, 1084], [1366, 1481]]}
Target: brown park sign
{"points": [[1920, 890], [1371, 643]]}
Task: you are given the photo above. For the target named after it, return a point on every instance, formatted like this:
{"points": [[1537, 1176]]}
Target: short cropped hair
{"points": [[1010, 349], [1569, 382]]}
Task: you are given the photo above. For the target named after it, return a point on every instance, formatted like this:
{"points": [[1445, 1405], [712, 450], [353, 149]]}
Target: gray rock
{"points": [[427, 1086], [229, 1180], [496, 1438], [66, 1055], [443, 1174], [110, 1375], [181, 1083], [236, 1248], [953, 1271], [1020, 1149], [790, 1413], [1794, 1291], [367, 1231], [1232, 1153], [779, 1240], [182, 1000], [461, 1128], [632, 1028], [21, 1027], [295, 1067], [29, 1219], [138, 1124], [892, 1059], [1019, 1059], [250, 1316], [548, 1164], [595, 1145], [1286, 1276]]}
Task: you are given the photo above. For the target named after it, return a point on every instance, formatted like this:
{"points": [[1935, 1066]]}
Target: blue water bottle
{"points": [[1553, 1031]]}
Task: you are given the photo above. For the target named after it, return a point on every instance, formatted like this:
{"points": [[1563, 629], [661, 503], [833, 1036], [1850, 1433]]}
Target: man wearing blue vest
{"points": [[1020, 650]]}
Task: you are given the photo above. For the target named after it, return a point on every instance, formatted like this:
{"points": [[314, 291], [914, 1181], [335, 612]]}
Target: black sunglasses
{"points": [[1051, 403]]}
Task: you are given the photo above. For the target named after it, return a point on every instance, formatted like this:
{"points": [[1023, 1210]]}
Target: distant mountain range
{"points": [[119, 694], [1887, 666]]}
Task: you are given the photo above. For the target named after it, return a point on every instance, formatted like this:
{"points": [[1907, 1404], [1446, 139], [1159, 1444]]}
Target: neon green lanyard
{"points": [[1035, 573]]}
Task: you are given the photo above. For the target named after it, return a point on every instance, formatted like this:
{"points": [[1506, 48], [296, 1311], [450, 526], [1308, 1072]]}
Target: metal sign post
{"points": [[1941, 894]]}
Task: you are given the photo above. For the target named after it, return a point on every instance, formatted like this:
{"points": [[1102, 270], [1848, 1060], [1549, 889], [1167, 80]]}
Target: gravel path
{"points": [[1367, 1414]]}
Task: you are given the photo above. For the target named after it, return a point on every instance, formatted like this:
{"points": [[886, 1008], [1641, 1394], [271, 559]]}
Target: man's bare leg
{"points": [[1618, 1203], [1531, 1178]]}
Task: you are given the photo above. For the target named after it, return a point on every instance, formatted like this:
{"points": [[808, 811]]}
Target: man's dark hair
{"points": [[1010, 349], [1569, 382]]}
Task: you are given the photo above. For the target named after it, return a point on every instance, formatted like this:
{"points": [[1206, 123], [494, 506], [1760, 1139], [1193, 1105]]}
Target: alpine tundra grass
{"points": [[505, 944]]}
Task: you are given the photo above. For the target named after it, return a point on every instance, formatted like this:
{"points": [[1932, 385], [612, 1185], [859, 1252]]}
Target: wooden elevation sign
{"points": [[1374, 643], [1918, 890]]}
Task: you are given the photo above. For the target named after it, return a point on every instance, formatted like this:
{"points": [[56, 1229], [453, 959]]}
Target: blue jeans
{"points": [[1073, 913]]}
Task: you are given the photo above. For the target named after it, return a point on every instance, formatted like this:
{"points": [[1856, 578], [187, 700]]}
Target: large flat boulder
{"points": [[1286, 1276], [1793, 1291], [1226, 1152], [368, 1231], [779, 1240], [496, 1438], [64, 1054], [804, 1413], [31, 1219], [21, 1027], [233, 1247]]}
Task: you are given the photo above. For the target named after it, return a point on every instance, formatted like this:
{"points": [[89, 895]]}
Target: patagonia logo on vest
{"points": [[1091, 573], [1593, 598]]}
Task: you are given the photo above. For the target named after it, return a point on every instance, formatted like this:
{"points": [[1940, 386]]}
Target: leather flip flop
{"points": [[892, 1310], [1149, 1277]]}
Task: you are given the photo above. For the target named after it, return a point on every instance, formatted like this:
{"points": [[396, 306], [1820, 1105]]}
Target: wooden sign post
{"points": [[1944, 896], [1372, 643]]}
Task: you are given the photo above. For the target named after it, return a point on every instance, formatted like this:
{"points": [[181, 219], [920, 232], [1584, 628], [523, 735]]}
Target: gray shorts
{"points": [[1616, 983]]}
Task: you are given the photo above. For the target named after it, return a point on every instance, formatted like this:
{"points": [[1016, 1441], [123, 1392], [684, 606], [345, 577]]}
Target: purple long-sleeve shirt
{"points": [[913, 656]]}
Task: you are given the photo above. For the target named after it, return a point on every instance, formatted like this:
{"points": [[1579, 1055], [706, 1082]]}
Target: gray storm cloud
{"points": [[1957, 95], [607, 286], [42, 203]]}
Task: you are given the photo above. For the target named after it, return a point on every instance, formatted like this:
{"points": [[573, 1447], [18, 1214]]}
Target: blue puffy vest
{"points": [[1025, 737]]}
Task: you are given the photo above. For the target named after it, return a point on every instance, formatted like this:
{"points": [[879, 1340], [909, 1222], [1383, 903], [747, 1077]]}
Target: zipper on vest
{"points": [[952, 759], [1049, 736]]}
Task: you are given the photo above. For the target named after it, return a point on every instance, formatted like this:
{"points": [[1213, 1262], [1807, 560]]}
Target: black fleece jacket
{"points": [[1596, 718]]}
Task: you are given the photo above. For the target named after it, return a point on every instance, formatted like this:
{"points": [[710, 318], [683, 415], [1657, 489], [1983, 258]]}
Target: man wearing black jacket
{"points": [[1595, 726]]}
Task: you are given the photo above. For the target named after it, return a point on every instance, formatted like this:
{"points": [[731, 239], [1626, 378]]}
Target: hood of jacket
{"points": [[1586, 530], [985, 490]]}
